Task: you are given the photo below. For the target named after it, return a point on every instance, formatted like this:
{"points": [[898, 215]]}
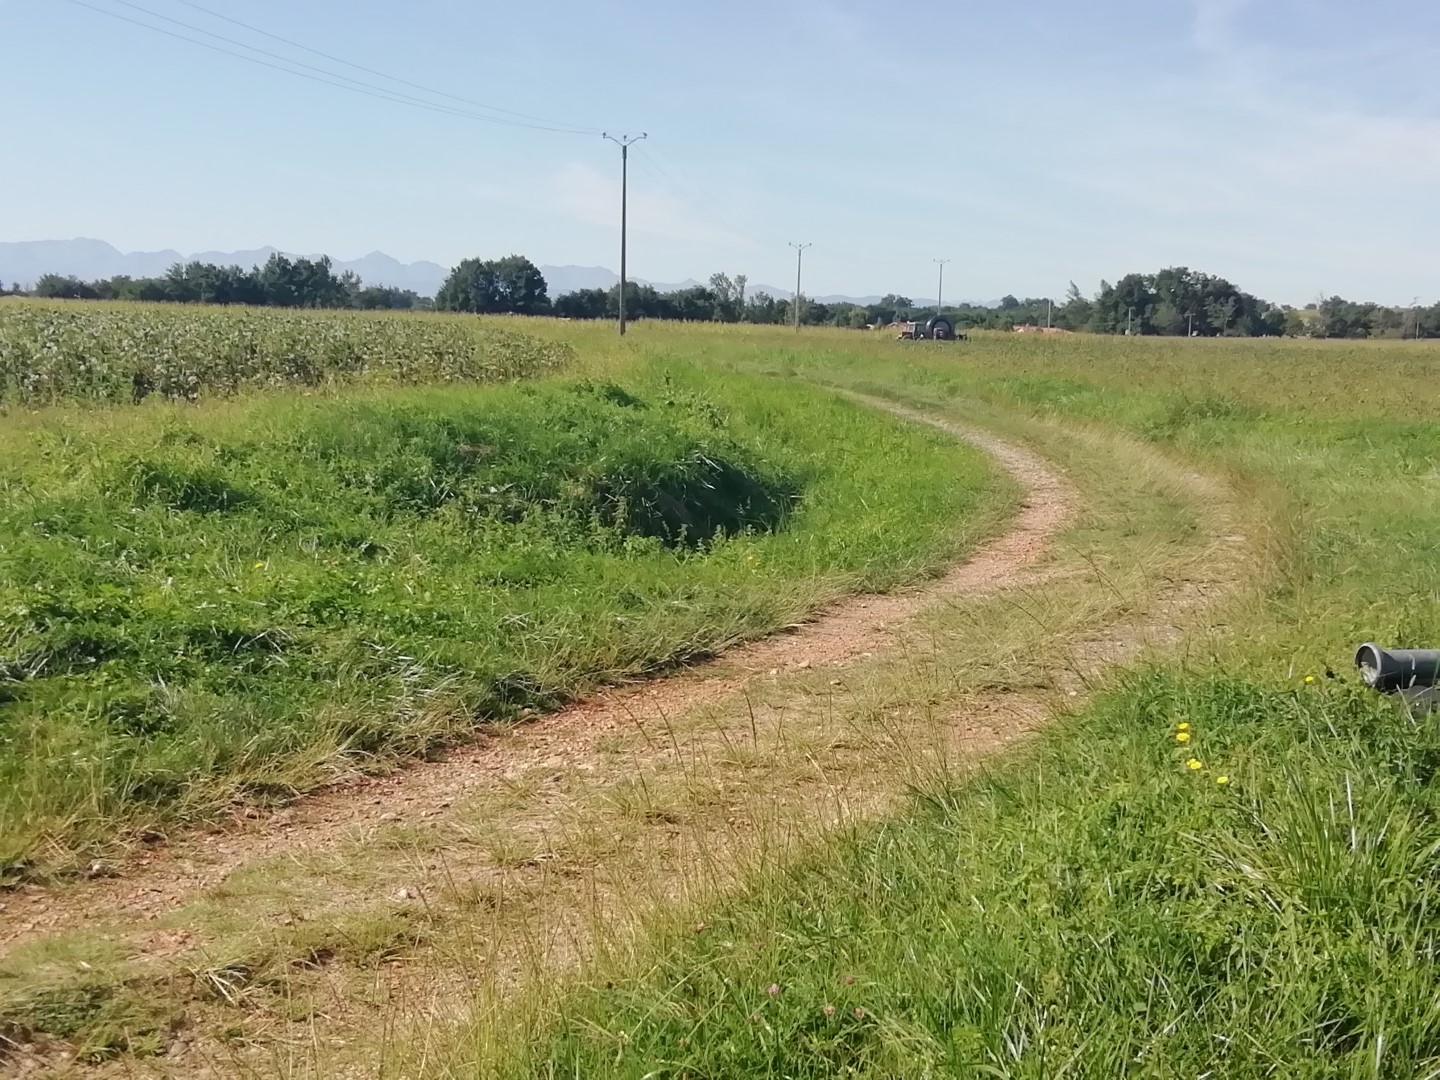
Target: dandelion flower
{"points": [[258, 566], [1194, 765], [1182, 736], [1222, 780], [1182, 726], [1309, 679]]}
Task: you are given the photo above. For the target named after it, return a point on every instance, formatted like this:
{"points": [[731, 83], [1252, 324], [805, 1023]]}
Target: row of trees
{"points": [[1176, 301], [1336, 317], [281, 282]]}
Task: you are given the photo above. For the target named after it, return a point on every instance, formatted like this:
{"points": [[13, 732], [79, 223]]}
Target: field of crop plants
{"points": [[128, 352], [1217, 859]]}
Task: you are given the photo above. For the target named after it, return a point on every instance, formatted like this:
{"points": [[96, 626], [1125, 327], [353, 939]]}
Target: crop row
{"points": [[52, 352]]}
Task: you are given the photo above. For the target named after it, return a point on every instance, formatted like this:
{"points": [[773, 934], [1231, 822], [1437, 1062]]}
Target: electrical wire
{"points": [[686, 178], [693, 197], [380, 74], [353, 85]]}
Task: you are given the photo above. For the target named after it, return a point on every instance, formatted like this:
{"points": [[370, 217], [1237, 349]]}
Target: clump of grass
{"points": [[98, 1020], [243, 600]]}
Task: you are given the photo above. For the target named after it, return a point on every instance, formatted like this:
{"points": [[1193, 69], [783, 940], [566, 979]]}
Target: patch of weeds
{"points": [[99, 1020]]}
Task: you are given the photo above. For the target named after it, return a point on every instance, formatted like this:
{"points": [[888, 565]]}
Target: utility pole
{"points": [[1415, 310], [799, 256], [940, 289], [1129, 319], [1049, 308], [1190, 325], [624, 142]]}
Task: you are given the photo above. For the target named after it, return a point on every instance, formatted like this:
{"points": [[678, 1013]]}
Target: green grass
{"points": [[241, 600], [1094, 906]]}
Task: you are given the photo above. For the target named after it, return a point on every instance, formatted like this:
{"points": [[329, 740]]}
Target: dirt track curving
{"points": [[153, 883], [530, 849]]}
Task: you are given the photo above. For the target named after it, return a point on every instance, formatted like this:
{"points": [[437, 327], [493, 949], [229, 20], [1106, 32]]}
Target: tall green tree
{"points": [[512, 285]]}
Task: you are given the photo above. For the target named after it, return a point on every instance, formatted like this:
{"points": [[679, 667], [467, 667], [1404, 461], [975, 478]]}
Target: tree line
{"points": [[1176, 301], [280, 282]]}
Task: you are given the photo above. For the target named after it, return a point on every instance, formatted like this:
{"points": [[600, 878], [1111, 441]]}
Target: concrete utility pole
{"points": [[1415, 310], [1049, 310], [624, 142], [940, 289], [795, 303], [1190, 324], [1129, 319]]}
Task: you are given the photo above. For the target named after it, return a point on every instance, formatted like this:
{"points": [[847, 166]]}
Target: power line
{"points": [[373, 71], [353, 85], [686, 195], [397, 95], [689, 181]]}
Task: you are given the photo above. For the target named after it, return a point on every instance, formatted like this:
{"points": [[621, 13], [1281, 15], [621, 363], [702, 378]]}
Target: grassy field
{"points": [[1224, 865], [209, 605], [1219, 863]]}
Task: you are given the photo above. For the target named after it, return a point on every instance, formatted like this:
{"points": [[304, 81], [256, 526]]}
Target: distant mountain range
{"points": [[27, 260]]}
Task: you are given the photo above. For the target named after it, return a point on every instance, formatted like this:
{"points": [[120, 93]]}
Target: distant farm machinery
{"points": [[935, 328]]}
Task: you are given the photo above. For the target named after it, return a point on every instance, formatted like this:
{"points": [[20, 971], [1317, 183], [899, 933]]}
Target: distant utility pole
{"points": [[1190, 325], [940, 289], [1129, 320], [624, 142], [1049, 307], [1415, 308], [799, 256]]}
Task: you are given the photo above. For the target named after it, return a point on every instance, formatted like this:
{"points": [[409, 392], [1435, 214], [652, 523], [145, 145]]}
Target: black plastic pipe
{"points": [[1392, 670]]}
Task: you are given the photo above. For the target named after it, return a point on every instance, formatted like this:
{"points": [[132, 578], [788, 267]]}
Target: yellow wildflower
{"points": [[1194, 765], [1309, 679], [258, 566], [1182, 736], [1222, 780]]}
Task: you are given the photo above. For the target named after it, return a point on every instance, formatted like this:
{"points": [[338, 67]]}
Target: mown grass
{"points": [[241, 600], [1103, 903]]}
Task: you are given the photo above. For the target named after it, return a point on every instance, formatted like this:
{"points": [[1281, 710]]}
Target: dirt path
{"points": [[154, 882], [391, 911]]}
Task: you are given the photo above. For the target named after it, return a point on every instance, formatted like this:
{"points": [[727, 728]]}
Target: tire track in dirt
{"points": [[153, 883]]}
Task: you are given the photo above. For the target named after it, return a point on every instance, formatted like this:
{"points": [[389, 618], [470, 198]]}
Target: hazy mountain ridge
{"points": [[26, 261]]}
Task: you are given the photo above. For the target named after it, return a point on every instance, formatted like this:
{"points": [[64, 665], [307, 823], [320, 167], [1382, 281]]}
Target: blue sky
{"points": [[1290, 145]]}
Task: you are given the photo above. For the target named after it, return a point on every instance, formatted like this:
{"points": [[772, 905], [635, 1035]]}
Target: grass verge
{"points": [[242, 600], [1223, 865]]}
